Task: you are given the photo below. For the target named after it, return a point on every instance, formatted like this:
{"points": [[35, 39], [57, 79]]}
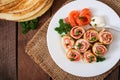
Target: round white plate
{"points": [[80, 68]]}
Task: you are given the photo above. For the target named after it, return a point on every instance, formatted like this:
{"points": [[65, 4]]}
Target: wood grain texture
{"points": [[7, 50], [56, 5], [114, 75], [27, 69]]}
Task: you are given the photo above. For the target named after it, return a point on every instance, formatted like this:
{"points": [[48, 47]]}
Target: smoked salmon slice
{"points": [[72, 17], [77, 18], [84, 17]]}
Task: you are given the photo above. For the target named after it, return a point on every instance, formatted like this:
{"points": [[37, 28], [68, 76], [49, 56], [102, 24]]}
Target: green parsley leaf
{"points": [[98, 52], [100, 59], [95, 24], [93, 39], [93, 20], [63, 28], [79, 45], [28, 25], [72, 59], [73, 55], [91, 58], [77, 32]]}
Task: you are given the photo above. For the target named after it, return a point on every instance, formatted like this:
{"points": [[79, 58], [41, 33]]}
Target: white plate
{"points": [[79, 68]]}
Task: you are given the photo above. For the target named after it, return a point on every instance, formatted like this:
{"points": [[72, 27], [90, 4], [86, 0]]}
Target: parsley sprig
{"points": [[28, 25], [79, 45], [63, 28], [100, 59]]}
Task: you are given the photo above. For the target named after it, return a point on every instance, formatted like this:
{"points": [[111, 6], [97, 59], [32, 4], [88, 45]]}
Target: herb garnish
{"points": [[93, 39], [79, 45], [63, 28], [72, 59], [98, 52], [100, 59], [77, 32], [93, 20], [91, 58], [28, 25], [95, 24], [73, 55]]}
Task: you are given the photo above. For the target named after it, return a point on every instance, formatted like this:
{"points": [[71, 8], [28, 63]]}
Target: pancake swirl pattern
{"points": [[23, 10]]}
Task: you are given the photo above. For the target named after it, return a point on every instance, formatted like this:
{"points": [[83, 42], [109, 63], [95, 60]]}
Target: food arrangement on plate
{"points": [[84, 37], [69, 27]]}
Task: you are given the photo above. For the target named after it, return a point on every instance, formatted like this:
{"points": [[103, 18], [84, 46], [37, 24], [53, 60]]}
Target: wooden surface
{"points": [[14, 62], [7, 50]]}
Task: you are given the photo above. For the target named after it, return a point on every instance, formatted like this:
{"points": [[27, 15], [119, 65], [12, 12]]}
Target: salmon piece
{"points": [[77, 18], [85, 11], [83, 20], [84, 17], [72, 17]]}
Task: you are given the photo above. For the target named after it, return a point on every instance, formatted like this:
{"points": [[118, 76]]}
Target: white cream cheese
{"points": [[98, 21]]}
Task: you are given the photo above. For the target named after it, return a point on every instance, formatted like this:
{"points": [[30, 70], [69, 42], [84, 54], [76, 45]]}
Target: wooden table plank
{"points": [[114, 75], [7, 50], [27, 69], [56, 5]]}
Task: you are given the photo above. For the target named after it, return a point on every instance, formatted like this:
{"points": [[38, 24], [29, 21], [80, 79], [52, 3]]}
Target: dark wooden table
{"points": [[14, 62]]}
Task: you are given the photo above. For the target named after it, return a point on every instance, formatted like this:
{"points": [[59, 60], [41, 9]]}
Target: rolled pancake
{"points": [[41, 12], [24, 5], [24, 14], [9, 5]]}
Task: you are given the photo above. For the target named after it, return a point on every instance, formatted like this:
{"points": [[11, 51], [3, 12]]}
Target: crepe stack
{"points": [[23, 10]]}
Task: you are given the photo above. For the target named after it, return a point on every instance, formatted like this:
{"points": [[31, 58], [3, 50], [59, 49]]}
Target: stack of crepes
{"points": [[23, 10]]}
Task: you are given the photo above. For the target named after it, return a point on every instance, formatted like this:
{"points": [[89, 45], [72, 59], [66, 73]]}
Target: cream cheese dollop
{"points": [[97, 21]]}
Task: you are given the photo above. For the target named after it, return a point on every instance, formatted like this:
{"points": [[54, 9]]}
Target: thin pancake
{"points": [[4, 2], [9, 5], [41, 12], [15, 6], [24, 14], [25, 5]]}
